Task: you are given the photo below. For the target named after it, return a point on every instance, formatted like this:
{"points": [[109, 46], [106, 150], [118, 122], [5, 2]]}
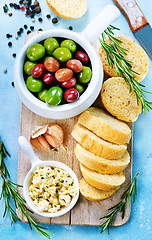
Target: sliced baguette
{"points": [[105, 126], [92, 193], [68, 8], [119, 100], [102, 181], [99, 164], [135, 53], [97, 145]]}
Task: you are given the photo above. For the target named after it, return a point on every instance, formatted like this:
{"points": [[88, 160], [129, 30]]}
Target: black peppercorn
{"points": [[8, 35], [28, 32], [9, 44], [32, 27], [18, 33], [48, 16], [25, 26], [13, 84], [32, 16], [36, 3], [11, 4], [18, 6], [32, 6], [54, 20], [5, 10], [40, 29], [14, 55], [28, 12], [21, 2], [21, 29], [40, 19], [37, 10], [70, 28]]}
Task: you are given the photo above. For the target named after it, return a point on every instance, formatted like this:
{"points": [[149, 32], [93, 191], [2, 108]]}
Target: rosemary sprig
{"points": [[10, 191], [116, 57], [126, 197]]}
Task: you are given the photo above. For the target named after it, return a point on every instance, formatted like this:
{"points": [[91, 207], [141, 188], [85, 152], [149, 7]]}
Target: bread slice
{"points": [[68, 8], [92, 193], [102, 181], [99, 164], [119, 101], [135, 53], [105, 126], [97, 145]]}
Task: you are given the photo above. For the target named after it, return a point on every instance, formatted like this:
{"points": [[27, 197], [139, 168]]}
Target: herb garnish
{"points": [[10, 192], [126, 197], [116, 57]]}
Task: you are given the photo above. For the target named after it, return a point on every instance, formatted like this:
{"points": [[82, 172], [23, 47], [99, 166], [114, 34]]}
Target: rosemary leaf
{"points": [[120, 206], [116, 57], [10, 192]]}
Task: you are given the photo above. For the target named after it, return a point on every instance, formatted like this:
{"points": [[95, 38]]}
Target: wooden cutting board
{"points": [[85, 212]]}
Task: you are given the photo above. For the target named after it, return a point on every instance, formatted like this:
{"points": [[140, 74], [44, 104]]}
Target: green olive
{"points": [[62, 54], [69, 44], [50, 44], [34, 85], [28, 67], [80, 87], [54, 96], [85, 75], [42, 94]]}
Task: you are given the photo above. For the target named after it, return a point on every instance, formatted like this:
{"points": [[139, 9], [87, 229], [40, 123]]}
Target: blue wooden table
{"points": [[140, 224]]}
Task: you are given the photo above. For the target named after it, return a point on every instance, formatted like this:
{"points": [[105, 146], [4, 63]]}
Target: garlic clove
{"points": [[40, 130], [40, 144], [54, 135]]}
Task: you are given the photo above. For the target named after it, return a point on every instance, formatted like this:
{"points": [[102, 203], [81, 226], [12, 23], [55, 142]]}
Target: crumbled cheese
{"points": [[51, 189]]}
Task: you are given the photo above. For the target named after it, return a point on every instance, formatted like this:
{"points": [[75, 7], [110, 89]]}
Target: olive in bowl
{"points": [[59, 69], [55, 104]]}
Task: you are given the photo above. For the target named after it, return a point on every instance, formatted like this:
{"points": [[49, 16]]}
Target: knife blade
{"points": [[137, 22]]}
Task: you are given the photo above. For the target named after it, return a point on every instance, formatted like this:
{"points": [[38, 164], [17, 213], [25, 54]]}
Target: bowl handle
{"points": [[101, 22], [27, 149]]}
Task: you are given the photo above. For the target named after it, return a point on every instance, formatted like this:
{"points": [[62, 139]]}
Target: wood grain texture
{"points": [[133, 13], [85, 212]]}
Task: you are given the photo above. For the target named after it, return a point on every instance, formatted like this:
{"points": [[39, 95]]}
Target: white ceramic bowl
{"points": [[93, 30], [26, 147]]}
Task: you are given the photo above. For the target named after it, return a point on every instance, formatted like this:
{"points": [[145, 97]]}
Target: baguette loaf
{"points": [[97, 145], [68, 8], [102, 181], [99, 164], [105, 126], [92, 193], [135, 53], [119, 100]]}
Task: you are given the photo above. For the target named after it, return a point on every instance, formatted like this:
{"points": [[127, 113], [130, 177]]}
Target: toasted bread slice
{"points": [[104, 125], [119, 100], [92, 193], [135, 53], [97, 145], [102, 181], [68, 8], [99, 164]]}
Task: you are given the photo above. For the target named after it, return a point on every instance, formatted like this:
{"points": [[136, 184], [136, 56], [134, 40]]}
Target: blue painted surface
{"points": [[140, 223]]}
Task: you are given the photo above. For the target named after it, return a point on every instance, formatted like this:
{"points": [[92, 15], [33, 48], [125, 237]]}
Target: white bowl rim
{"points": [[29, 200], [28, 97]]}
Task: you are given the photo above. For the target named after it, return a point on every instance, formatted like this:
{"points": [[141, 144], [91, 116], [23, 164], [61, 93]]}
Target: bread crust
{"points": [[77, 13], [102, 181], [93, 194], [119, 100], [97, 145], [95, 120], [99, 164], [136, 54]]}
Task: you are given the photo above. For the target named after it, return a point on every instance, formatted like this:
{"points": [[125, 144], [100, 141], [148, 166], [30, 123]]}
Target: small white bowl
{"points": [[36, 162], [86, 40]]}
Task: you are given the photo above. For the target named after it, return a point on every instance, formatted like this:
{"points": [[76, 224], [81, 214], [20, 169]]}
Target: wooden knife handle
{"points": [[133, 13]]}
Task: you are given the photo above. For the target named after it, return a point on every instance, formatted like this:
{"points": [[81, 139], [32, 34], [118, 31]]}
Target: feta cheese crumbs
{"points": [[51, 189]]}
